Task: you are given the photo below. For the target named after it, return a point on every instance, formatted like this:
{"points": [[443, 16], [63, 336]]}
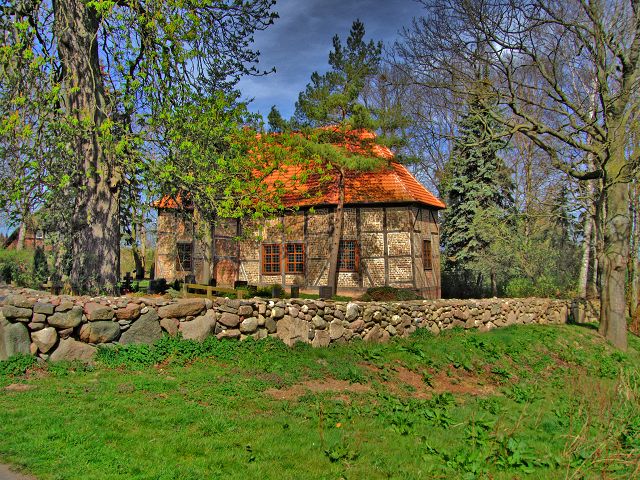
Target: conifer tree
{"points": [[476, 183]]}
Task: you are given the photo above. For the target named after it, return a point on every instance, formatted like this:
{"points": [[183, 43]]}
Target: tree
{"points": [[332, 102], [476, 184], [542, 57], [112, 72]]}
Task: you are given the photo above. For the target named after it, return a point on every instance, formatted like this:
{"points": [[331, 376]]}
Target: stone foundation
{"points": [[70, 328]]}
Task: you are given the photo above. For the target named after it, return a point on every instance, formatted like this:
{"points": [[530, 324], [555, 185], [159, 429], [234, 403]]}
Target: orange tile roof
{"points": [[391, 183]]}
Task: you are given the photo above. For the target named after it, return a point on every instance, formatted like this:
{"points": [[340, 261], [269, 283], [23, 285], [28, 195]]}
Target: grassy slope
{"points": [[521, 402]]}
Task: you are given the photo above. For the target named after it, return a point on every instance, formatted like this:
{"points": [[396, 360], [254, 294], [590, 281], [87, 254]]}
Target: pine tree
{"points": [[476, 184], [277, 124]]}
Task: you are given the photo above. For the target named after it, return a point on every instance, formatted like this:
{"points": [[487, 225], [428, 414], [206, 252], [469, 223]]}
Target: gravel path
{"points": [[6, 474]]}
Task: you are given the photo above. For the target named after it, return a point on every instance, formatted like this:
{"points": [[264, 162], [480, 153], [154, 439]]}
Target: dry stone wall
{"points": [[70, 328]]}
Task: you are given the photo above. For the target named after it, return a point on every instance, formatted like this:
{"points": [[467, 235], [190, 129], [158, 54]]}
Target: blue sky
{"points": [[300, 40]]}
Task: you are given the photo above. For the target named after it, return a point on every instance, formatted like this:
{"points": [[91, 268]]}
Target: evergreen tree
{"points": [[335, 97], [476, 184], [277, 123]]}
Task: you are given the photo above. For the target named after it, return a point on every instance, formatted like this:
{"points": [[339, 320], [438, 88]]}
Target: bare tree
{"points": [[542, 56]]}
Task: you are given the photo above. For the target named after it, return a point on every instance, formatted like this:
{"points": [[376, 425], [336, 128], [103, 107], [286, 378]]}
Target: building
{"points": [[390, 237]]}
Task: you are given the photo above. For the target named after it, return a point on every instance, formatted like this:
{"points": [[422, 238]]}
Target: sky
{"points": [[300, 40]]}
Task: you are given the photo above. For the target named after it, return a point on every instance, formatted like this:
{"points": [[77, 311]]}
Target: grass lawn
{"points": [[520, 402]]}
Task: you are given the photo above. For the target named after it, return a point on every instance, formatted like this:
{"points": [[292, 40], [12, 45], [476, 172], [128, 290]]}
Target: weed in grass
{"points": [[17, 365], [522, 393]]}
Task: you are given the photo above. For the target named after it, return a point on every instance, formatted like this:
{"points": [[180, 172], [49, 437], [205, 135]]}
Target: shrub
{"points": [[40, 273], [386, 294], [15, 266]]}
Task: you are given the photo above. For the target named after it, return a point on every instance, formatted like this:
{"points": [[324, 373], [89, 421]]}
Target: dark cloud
{"points": [[299, 43]]}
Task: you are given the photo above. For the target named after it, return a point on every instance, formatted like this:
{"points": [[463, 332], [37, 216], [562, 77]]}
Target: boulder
{"points": [[230, 320], [45, 339], [70, 350], [199, 328], [14, 339], [374, 335], [353, 310], [144, 330], [20, 301], [231, 333], [101, 331], [183, 308], [18, 313], [277, 312], [64, 306], [336, 330], [322, 338], [68, 319], [319, 322], [169, 325], [291, 330], [130, 312], [270, 324], [249, 325], [43, 308], [358, 325], [245, 310], [96, 312]]}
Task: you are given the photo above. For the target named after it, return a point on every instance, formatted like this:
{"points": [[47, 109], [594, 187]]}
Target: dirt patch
{"points": [[405, 382], [18, 387], [314, 386]]}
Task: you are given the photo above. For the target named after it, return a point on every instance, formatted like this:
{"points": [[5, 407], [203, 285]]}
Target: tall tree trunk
{"points": [[634, 261], [143, 246], [494, 284], [613, 324], [583, 278], [22, 233], [96, 229], [336, 236]]}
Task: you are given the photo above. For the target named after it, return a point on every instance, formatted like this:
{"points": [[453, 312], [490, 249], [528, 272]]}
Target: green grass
{"points": [[520, 402]]}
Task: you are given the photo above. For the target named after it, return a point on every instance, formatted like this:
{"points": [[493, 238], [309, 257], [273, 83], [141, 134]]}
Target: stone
{"points": [[336, 330], [392, 330], [14, 339], [199, 328], [68, 319], [130, 312], [249, 325], [319, 323], [374, 335], [96, 312], [291, 330], [322, 338], [144, 330], [353, 310], [470, 323], [70, 350], [64, 306], [338, 314], [395, 319], [245, 310], [43, 308], [358, 325], [294, 311], [277, 312], [18, 313], [231, 333], [100, 331], [170, 325], [65, 333], [434, 329], [20, 301], [270, 324], [183, 308], [39, 318], [45, 339], [230, 320], [35, 326]]}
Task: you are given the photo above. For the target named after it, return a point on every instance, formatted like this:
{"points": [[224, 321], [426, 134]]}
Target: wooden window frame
{"points": [[427, 254], [356, 256], [269, 267], [181, 262], [290, 266]]}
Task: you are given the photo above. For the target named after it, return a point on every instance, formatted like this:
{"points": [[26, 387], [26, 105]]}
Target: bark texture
{"points": [[96, 231], [336, 236]]}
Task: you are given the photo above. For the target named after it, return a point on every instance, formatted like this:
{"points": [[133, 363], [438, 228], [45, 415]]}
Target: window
{"points": [[270, 259], [294, 258], [348, 256], [427, 260], [185, 257]]}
